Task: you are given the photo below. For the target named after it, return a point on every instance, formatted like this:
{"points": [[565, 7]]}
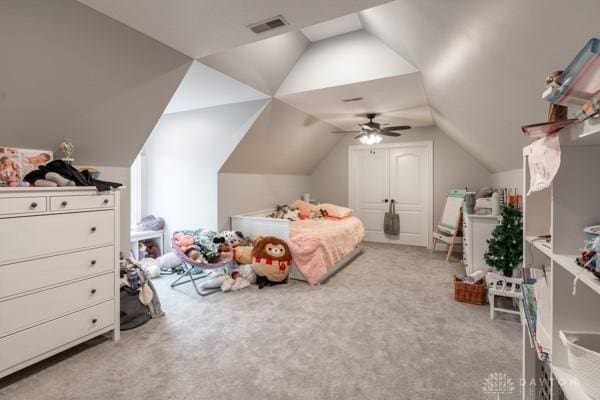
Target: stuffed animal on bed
{"points": [[271, 260]]}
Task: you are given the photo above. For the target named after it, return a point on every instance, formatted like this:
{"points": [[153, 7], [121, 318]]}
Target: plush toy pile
{"points": [[266, 261]]}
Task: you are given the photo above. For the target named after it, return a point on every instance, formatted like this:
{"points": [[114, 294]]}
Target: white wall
{"points": [[509, 179], [453, 167], [182, 159], [68, 71], [241, 193]]}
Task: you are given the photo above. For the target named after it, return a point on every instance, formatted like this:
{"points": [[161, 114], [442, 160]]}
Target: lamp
{"points": [[371, 138]]}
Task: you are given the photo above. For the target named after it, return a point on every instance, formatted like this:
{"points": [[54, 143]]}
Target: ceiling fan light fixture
{"points": [[371, 138]]}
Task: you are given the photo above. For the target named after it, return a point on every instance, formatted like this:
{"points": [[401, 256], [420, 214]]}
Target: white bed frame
{"points": [[257, 224]]}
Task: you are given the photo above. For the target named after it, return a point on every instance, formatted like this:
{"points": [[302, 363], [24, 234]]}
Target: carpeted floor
{"points": [[386, 327]]}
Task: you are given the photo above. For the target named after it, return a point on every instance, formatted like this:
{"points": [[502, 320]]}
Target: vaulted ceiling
{"points": [[474, 68], [484, 62]]}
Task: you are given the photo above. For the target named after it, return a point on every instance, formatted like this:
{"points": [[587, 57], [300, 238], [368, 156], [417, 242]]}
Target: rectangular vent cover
{"points": [[266, 25]]}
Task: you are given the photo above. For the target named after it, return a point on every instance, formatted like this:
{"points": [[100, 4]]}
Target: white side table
{"points": [[502, 286], [137, 237]]}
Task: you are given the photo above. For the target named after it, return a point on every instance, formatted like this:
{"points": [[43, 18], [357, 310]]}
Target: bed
{"points": [[320, 248]]}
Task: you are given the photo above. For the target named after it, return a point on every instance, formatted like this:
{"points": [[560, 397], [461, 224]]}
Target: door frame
{"points": [[428, 145]]}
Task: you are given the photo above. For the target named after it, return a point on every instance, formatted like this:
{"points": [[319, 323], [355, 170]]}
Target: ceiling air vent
{"points": [[268, 24], [352, 99]]}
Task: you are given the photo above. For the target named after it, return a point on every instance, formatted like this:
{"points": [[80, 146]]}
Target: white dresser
{"points": [[59, 271], [477, 229]]}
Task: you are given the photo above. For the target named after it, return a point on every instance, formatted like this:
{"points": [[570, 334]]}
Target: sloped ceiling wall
{"points": [[283, 140], [204, 87], [263, 64], [70, 72], [484, 62]]}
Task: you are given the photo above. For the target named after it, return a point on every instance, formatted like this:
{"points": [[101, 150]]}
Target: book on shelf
{"points": [[530, 311]]}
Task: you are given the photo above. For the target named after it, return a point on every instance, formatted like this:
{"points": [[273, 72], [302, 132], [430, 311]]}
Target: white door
{"points": [[409, 186], [369, 182], [402, 172]]}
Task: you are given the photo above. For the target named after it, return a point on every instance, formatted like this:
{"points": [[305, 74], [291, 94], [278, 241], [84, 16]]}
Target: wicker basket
{"points": [[472, 294]]}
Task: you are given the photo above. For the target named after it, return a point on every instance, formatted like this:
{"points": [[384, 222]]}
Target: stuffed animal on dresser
{"points": [[271, 260]]}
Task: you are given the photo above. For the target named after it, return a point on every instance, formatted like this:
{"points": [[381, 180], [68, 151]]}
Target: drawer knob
{"points": [[105, 201], [64, 204], [93, 262], [94, 320], [93, 229], [93, 291], [33, 205]]}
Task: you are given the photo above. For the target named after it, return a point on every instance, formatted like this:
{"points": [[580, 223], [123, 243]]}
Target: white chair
{"points": [[448, 230]]}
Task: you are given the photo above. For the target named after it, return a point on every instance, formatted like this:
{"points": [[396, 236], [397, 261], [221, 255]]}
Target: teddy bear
{"points": [[271, 260], [183, 241]]}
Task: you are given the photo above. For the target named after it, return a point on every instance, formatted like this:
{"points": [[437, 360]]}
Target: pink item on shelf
{"points": [[19, 184], [544, 162]]}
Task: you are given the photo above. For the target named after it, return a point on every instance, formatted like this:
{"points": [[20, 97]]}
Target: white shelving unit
{"points": [[563, 210]]}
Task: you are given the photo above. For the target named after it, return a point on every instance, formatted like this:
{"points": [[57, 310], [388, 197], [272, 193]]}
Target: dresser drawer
{"points": [[71, 203], [45, 235], [23, 346], [22, 205], [36, 274], [25, 311]]}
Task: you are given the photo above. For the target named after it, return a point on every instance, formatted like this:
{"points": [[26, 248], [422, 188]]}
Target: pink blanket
{"points": [[317, 245]]}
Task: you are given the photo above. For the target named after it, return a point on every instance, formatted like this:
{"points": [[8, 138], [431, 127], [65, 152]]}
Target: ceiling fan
{"points": [[370, 132]]}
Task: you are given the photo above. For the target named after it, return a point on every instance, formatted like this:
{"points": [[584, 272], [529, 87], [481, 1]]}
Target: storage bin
{"points": [[472, 294], [583, 349]]}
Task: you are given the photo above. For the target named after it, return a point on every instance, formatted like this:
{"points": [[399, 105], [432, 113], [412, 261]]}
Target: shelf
{"points": [[540, 244], [586, 133], [567, 261], [569, 384]]}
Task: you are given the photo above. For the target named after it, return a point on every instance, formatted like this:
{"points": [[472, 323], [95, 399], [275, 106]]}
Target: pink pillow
{"points": [[336, 211], [304, 207]]}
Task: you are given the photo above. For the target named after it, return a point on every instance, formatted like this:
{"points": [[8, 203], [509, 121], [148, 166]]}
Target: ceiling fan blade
{"points": [[359, 136], [345, 131], [397, 128], [390, 133]]}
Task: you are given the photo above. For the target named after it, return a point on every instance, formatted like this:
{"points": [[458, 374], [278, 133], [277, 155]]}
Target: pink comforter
{"points": [[317, 245]]}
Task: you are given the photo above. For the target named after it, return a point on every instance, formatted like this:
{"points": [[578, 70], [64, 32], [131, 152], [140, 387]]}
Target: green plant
{"points": [[505, 247]]}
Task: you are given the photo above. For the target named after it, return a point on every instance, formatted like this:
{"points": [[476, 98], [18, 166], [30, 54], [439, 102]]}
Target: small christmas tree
{"points": [[505, 248]]}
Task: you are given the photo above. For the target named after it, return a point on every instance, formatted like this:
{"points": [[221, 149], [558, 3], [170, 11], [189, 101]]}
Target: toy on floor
{"points": [[271, 260], [243, 254]]}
